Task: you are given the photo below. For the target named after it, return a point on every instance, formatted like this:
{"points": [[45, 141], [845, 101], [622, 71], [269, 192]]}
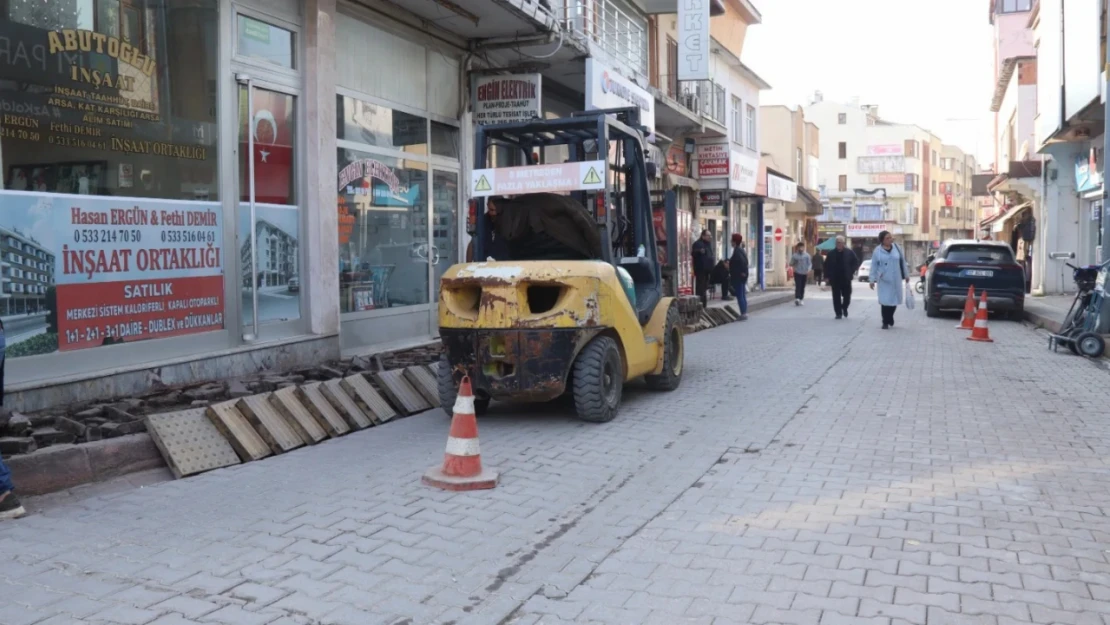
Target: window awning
{"points": [[999, 222]]}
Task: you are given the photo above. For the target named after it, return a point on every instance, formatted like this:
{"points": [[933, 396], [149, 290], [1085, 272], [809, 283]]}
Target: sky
{"points": [[924, 62]]}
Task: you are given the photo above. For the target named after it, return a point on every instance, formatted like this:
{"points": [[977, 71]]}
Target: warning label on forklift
{"points": [[558, 178]]}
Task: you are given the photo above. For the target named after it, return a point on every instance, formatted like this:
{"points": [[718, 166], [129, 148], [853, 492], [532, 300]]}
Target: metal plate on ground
{"points": [[344, 405], [367, 398], [424, 382], [400, 392], [270, 425], [312, 395], [189, 442], [285, 401], [235, 428]]}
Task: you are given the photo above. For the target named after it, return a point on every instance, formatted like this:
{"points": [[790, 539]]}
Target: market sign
{"points": [[557, 178], [506, 99], [712, 160], [828, 231], [693, 39], [779, 188], [606, 89], [892, 149]]}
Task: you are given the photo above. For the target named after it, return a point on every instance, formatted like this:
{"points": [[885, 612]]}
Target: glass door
{"points": [[444, 248], [268, 218]]}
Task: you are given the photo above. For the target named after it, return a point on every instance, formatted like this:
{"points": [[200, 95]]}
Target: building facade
{"points": [[327, 144], [1068, 135], [879, 175]]}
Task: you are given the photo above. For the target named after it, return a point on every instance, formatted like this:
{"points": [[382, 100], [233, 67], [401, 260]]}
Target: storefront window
{"points": [[445, 140], [383, 231], [445, 200], [265, 42], [110, 228], [380, 126]]}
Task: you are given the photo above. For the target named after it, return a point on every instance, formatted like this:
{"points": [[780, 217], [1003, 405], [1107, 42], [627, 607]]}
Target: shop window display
{"points": [[110, 226]]}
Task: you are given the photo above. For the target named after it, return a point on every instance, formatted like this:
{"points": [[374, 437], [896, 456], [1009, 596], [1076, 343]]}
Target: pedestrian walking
{"points": [[738, 274], [802, 264], [703, 265], [10, 508], [818, 267], [889, 270], [840, 267]]}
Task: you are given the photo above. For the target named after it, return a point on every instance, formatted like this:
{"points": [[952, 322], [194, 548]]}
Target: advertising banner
{"points": [[85, 271], [743, 172], [506, 99], [895, 178], [779, 188], [881, 164], [893, 149]]}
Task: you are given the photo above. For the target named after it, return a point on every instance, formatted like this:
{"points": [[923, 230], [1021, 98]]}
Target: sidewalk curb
{"points": [[64, 466], [1041, 321]]}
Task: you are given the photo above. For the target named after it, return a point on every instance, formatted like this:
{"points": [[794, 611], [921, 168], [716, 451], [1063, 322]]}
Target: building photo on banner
{"points": [[111, 225]]}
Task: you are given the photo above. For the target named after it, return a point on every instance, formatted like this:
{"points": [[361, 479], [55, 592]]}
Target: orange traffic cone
{"points": [[462, 463], [980, 332], [968, 320]]}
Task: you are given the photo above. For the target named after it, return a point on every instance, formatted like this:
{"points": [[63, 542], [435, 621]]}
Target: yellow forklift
{"points": [[572, 300]]}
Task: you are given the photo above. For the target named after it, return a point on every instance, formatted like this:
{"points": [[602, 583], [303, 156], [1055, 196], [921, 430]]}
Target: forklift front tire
{"points": [[449, 391], [673, 355], [598, 380]]}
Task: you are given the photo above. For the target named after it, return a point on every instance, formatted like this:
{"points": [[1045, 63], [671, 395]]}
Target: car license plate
{"points": [[984, 273]]}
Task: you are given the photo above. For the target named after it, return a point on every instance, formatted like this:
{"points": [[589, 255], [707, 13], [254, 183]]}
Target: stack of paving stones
{"points": [[24, 434], [705, 318]]}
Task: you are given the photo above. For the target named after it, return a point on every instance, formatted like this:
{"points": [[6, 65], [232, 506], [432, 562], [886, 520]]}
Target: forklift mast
{"points": [[622, 209]]}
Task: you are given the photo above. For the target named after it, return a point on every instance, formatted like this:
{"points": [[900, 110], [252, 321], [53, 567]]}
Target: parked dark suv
{"points": [[986, 265]]}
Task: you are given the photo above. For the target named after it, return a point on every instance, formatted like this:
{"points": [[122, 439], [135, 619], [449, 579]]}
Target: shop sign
{"points": [[123, 269], [828, 231], [1086, 174], [676, 160], [742, 172], [892, 149], [712, 198], [881, 164], [556, 178], [870, 230], [506, 99], [606, 89], [779, 188], [712, 160], [693, 39], [769, 246], [887, 178]]}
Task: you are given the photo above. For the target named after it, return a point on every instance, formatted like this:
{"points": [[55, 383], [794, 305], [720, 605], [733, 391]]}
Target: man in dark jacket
{"points": [[840, 266], [703, 265], [738, 271]]}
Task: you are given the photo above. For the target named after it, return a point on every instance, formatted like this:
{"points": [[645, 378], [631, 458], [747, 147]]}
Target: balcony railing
{"points": [[621, 34], [704, 97]]}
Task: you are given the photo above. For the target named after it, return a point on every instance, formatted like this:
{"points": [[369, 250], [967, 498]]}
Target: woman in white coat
{"points": [[889, 270]]}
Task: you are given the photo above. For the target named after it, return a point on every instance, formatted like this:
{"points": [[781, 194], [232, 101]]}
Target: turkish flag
{"points": [[272, 123]]}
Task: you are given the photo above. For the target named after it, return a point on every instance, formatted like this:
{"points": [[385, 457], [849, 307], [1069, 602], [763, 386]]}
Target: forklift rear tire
{"points": [[674, 353], [449, 391], [598, 380]]}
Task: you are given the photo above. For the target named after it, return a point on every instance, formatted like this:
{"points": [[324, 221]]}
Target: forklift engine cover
{"points": [[516, 327]]}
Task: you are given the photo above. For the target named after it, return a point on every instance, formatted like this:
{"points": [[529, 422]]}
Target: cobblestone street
{"points": [[808, 471]]}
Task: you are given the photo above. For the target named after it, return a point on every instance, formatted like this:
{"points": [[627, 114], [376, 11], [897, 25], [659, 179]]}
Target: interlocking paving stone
{"points": [[400, 392], [841, 474], [312, 396], [344, 405], [286, 402], [238, 431], [368, 399], [268, 422]]}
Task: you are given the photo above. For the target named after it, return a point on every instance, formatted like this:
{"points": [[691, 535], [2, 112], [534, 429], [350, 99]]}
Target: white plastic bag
{"points": [[910, 302]]}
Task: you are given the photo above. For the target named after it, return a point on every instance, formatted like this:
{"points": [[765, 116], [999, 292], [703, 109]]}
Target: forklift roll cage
{"points": [[622, 210]]}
